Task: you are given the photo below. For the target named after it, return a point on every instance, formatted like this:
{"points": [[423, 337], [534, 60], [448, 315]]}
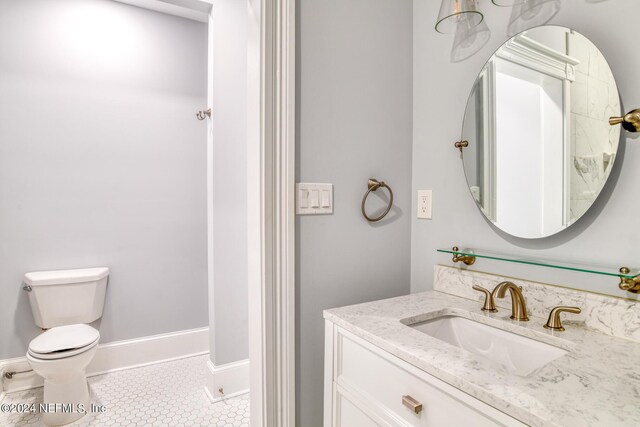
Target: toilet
{"points": [[63, 302]]}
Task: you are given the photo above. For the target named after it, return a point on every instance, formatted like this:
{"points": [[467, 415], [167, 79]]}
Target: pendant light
{"points": [[531, 13], [452, 11], [506, 3], [469, 39], [464, 18]]}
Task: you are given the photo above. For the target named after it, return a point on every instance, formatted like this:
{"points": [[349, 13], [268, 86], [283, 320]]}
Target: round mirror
{"points": [[540, 147]]}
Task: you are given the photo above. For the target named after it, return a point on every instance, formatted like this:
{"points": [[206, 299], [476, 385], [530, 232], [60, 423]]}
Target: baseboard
{"points": [[118, 355], [19, 382], [232, 378]]}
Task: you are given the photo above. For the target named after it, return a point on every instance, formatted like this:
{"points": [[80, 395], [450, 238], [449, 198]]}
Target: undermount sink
{"points": [[520, 355]]}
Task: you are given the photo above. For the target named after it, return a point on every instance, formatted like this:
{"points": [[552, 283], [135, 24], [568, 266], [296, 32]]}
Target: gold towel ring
{"points": [[373, 185]]}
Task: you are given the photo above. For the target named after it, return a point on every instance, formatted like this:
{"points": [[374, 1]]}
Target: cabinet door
{"points": [[376, 381], [350, 414]]}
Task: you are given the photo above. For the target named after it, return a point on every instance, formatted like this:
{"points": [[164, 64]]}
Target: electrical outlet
{"points": [[425, 200]]}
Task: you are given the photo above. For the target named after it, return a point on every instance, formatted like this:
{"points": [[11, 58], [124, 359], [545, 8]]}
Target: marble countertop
{"points": [[597, 383]]}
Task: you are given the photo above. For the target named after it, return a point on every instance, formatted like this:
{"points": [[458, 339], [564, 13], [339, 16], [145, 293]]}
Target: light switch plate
{"points": [[314, 198], [425, 201]]}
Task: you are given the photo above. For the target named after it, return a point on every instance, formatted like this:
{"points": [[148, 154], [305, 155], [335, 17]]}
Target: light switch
{"points": [[325, 201], [303, 198], [314, 198]]}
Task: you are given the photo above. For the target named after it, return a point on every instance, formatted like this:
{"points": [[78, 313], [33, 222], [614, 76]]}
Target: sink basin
{"points": [[520, 355]]}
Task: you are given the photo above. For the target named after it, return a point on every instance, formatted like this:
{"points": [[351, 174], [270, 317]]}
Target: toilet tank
{"points": [[66, 297]]}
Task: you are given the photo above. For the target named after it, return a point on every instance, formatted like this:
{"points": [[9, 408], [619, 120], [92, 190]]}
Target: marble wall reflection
{"points": [[594, 143]]}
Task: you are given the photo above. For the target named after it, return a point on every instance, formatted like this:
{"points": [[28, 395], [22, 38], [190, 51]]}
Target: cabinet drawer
{"points": [[381, 380]]}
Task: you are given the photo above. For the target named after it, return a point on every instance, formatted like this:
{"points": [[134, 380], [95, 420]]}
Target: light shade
{"points": [[506, 3], [469, 39], [451, 11], [531, 13]]}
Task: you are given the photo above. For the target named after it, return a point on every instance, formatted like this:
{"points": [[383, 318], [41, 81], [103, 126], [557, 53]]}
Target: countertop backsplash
{"points": [[613, 316]]}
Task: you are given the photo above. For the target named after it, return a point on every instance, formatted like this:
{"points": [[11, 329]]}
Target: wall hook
{"points": [[203, 114]]}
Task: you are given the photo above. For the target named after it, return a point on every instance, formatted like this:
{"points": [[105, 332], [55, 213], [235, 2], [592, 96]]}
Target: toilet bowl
{"points": [[62, 303], [61, 355]]}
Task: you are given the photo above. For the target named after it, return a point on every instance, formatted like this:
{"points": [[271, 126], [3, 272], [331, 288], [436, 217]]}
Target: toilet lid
{"points": [[64, 338]]}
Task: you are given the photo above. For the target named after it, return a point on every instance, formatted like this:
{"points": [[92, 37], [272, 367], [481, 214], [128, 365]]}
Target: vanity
{"points": [[372, 387], [436, 359]]}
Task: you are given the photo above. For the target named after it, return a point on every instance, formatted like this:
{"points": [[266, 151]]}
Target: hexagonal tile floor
{"points": [[165, 394]]}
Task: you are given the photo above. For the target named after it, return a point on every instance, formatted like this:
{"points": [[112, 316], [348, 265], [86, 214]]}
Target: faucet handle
{"points": [[554, 321], [489, 303]]}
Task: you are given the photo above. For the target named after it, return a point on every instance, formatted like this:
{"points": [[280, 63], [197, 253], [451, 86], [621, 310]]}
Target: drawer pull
{"points": [[412, 404]]}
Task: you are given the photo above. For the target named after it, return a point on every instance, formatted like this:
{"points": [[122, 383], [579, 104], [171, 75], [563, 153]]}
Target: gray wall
{"points": [[228, 307], [607, 234], [102, 162], [354, 112]]}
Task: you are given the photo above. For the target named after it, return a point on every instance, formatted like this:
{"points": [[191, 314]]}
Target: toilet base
{"points": [[65, 400], [66, 392]]}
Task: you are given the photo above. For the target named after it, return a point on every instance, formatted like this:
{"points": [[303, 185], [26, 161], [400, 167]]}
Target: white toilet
{"points": [[63, 302]]}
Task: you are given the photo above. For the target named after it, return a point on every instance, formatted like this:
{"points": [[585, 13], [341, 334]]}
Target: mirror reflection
{"points": [[540, 147]]}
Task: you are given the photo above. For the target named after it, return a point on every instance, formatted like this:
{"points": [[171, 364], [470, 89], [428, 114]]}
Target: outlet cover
{"points": [[425, 201]]}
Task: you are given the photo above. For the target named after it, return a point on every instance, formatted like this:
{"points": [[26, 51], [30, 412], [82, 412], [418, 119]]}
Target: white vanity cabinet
{"points": [[365, 386]]}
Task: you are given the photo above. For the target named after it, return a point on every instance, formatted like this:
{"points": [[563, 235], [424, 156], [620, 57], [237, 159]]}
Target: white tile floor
{"points": [[166, 394]]}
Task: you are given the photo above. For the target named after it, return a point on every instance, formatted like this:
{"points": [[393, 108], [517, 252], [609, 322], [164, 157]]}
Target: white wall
{"points": [[228, 305], [607, 234], [354, 123], [102, 161]]}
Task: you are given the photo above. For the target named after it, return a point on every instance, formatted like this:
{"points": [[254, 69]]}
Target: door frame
{"points": [[271, 214]]}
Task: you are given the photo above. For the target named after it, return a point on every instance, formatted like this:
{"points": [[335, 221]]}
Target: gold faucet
{"points": [[489, 304], [554, 317], [518, 305]]}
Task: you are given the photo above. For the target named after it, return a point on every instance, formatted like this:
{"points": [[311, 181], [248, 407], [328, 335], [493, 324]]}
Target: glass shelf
{"points": [[593, 269]]}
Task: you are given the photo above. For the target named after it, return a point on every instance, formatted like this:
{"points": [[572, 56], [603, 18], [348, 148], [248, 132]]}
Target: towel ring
{"points": [[373, 185]]}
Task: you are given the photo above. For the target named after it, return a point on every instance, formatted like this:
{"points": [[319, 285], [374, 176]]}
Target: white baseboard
{"points": [[116, 356], [232, 378]]}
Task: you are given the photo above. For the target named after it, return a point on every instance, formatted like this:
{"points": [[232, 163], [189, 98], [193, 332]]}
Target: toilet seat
{"points": [[64, 341]]}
